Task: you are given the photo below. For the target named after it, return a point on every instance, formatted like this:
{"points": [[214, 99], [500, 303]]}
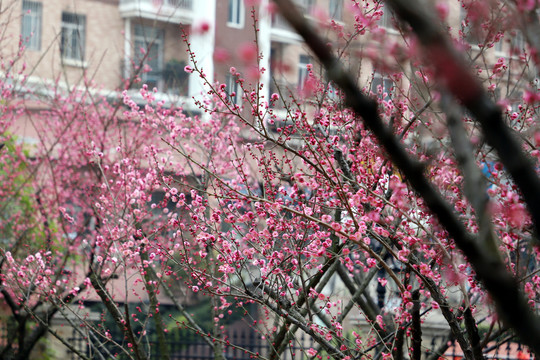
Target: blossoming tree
{"points": [[345, 216]]}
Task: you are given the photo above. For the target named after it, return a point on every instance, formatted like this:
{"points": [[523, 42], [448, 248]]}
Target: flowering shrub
{"points": [[340, 214]]}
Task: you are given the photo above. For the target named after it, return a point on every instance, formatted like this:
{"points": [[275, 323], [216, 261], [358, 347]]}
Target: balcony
{"points": [[172, 11], [169, 79]]}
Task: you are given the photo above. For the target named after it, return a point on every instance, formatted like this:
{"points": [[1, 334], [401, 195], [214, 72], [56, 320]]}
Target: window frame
{"points": [[150, 38], [303, 73], [32, 19], [232, 86], [499, 46], [73, 31], [518, 42], [387, 18], [236, 14], [470, 36], [335, 9], [387, 86]]}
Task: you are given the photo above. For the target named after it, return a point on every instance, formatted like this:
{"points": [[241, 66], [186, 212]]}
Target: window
{"points": [[386, 20], [31, 24], [517, 43], [233, 89], [382, 87], [159, 202], [471, 32], [499, 45], [303, 71], [332, 92], [73, 36], [336, 9], [306, 5], [148, 43], [175, 77], [236, 13], [515, 107]]}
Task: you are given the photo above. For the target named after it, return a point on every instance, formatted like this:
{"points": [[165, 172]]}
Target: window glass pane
{"points": [[235, 14], [302, 69], [306, 5], [499, 45], [382, 87], [336, 9], [231, 11], [72, 43], [150, 41], [31, 24], [233, 89], [471, 34], [238, 12], [386, 18], [518, 42]]}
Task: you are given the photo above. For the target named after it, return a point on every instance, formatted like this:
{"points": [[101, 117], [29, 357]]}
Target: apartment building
{"points": [[102, 44]]}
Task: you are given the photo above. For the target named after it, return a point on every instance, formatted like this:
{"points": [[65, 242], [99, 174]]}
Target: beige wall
{"points": [[230, 38], [104, 51], [104, 43]]}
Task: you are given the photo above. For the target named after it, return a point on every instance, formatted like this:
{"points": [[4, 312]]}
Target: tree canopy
{"points": [[394, 190]]}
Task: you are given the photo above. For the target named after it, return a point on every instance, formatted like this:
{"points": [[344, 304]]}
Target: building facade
{"points": [[104, 43]]}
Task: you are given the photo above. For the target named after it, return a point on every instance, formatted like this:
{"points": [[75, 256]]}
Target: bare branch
{"points": [[512, 306]]}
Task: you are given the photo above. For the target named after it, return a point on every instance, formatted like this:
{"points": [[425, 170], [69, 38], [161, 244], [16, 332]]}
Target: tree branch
{"points": [[121, 322], [416, 327], [512, 306]]}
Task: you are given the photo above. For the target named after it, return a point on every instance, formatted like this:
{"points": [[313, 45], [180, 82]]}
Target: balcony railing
{"points": [[174, 11], [170, 79]]}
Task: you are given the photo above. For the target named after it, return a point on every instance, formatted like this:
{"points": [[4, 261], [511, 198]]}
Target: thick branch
{"points": [[474, 184], [370, 313], [416, 327], [154, 307], [460, 81], [284, 309], [121, 322], [472, 332]]}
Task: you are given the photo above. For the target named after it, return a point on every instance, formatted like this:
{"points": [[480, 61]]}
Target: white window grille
{"points": [[31, 24], [236, 13], [72, 46], [148, 42]]}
